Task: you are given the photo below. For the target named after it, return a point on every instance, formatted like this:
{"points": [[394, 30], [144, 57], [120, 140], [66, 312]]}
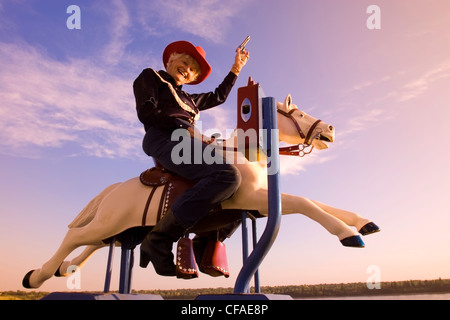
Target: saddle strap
{"points": [[149, 199], [163, 203]]}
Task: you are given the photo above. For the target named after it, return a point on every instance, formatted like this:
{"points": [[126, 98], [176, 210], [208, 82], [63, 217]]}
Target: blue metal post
{"points": [[125, 270], [109, 266], [245, 248], [274, 198], [244, 237], [255, 241]]}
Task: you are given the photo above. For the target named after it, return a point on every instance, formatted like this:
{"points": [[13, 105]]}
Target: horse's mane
{"points": [[89, 212]]}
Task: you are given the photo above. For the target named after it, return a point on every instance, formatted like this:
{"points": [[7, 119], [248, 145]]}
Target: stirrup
{"points": [[214, 261], [186, 265]]}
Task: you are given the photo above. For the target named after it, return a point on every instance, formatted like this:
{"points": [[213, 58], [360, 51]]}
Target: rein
{"points": [[300, 149]]}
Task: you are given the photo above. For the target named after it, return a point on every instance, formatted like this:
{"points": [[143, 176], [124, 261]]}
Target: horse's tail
{"points": [[89, 212]]}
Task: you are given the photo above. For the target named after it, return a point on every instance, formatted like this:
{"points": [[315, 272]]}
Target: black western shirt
{"points": [[160, 103]]}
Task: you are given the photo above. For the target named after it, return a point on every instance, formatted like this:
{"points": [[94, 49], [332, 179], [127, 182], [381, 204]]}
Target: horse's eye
{"points": [[302, 115]]}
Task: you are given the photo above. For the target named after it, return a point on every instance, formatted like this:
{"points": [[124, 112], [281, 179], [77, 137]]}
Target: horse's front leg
{"points": [[294, 204]]}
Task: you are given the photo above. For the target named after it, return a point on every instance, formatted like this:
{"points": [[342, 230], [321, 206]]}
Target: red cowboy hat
{"points": [[195, 52]]}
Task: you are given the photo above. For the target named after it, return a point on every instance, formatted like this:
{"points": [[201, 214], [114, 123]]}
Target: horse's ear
{"points": [[288, 102]]}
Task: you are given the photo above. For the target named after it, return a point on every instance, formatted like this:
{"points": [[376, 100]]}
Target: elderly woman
{"points": [[162, 106]]}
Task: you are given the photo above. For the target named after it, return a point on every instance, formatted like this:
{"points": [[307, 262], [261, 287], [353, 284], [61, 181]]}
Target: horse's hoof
{"points": [[26, 280], [353, 241], [369, 228], [57, 273]]}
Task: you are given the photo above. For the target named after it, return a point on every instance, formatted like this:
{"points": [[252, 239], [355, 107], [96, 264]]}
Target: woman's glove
{"points": [[240, 60]]}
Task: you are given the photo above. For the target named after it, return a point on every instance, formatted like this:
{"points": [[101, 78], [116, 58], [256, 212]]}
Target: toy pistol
{"points": [[242, 46]]}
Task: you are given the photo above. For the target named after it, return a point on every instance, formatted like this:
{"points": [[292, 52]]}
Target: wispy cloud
{"points": [[290, 165], [370, 83], [208, 19], [219, 120], [363, 121], [119, 33], [46, 103], [382, 99], [417, 87]]}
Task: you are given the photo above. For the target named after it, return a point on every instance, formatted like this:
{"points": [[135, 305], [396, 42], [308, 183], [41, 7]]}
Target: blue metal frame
{"points": [[271, 147], [109, 266], [261, 247], [126, 267], [245, 250]]}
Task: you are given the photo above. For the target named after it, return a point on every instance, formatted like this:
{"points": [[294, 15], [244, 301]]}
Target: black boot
{"points": [[157, 245]]}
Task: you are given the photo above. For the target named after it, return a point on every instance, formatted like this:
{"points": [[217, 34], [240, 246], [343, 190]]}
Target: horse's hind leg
{"points": [[78, 261], [35, 278], [295, 204], [74, 238]]}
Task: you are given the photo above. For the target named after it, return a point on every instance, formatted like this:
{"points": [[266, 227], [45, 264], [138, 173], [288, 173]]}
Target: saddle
{"points": [[156, 176], [214, 262], [173, 186]]}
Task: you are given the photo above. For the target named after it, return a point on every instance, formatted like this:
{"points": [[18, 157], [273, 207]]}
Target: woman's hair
{"points": [[177, 55]]}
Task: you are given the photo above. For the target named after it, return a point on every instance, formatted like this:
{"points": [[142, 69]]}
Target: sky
{"points": [[68, 126]]}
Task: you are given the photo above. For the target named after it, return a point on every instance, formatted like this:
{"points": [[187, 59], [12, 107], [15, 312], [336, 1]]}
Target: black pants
{"points": [[215, 182]]}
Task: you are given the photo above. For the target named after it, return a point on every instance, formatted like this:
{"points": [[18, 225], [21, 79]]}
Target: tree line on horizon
{"points": [[295, 291]]}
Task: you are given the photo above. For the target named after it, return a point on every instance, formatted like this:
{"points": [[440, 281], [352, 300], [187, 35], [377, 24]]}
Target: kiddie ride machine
{"points": [[257, 114]]}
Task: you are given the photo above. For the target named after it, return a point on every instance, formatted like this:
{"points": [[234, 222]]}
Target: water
{"points": [[430, 296]]}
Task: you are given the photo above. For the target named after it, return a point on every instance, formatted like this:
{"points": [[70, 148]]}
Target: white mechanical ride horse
{"points": [[120, 206]]}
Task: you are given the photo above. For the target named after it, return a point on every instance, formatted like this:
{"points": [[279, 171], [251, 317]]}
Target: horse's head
{"points": [[297, 127]]}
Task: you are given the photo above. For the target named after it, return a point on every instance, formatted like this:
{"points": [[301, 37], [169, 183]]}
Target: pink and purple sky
{"points": [[68, 126]]}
